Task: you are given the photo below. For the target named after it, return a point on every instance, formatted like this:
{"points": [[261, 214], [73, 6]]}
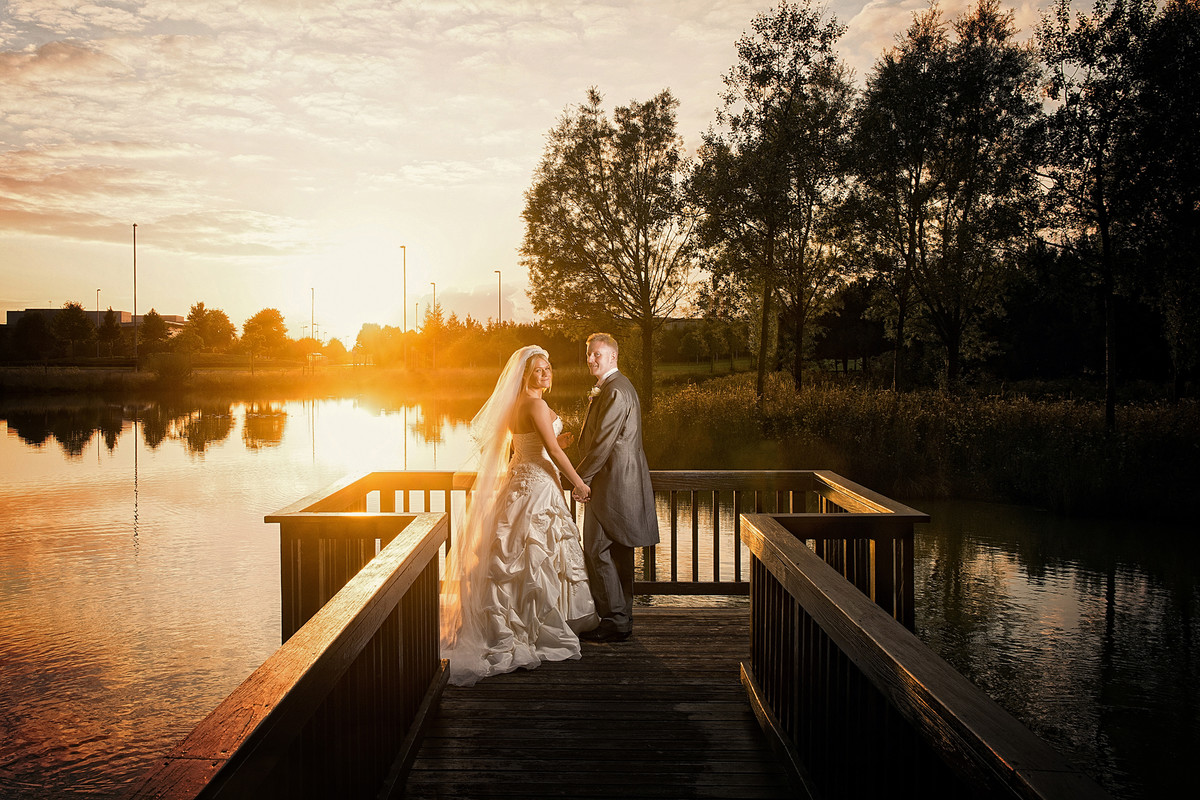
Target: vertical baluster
{"points": [[737, 535], [674, 535], [695, 538], [716, 532]]}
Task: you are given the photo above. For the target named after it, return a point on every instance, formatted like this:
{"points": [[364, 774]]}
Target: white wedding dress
{"points": [[530, 597]]}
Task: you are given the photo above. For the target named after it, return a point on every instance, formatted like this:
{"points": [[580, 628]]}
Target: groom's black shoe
{"points": [[605, 632]]}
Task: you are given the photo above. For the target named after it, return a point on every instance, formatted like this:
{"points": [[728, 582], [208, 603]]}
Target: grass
{"points": [[1052, 453]]}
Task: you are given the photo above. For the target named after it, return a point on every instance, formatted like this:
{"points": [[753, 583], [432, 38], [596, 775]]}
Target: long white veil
{"points": [[466, 564]]}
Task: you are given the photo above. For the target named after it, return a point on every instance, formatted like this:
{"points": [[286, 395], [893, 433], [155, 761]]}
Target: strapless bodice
{"points": [[529, 447]]}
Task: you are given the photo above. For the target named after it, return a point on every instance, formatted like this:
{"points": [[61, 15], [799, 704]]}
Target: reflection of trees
{"points": [[155, 421], [264, 425], [72, 428], [430, 423], [1087, 630], [200, 428]]}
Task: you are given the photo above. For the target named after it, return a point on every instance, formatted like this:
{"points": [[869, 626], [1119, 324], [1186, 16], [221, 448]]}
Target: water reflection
{"points": [[264, 425], [197, 426], [1087, 631]]}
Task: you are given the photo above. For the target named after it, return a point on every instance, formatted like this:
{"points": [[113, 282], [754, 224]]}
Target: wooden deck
{"points": [[662, 715]]}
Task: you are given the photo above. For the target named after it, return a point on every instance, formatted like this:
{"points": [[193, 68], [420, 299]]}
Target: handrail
{"points": [[360, 670], [836, 680]]}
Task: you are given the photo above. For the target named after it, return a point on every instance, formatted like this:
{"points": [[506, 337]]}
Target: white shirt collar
{"points": [[604, 377]]}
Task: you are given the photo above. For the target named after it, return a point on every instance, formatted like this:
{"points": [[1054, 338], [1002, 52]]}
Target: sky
{"points": [[278, 153]]}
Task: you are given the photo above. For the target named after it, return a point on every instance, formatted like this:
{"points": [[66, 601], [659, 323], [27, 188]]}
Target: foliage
{"points": [[773, 172], [1050, 452], [607, 237], [110, 330], [212, 326], [153, 333], [951, 190], [264, 333], [32, 337], [72, 325]]}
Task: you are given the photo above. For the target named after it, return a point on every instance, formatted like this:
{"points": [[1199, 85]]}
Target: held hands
{"points": [[582, 493]]}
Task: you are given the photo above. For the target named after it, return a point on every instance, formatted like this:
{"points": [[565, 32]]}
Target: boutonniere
{"points": [[595, 390]]}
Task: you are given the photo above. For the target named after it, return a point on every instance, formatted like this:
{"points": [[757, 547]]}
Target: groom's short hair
{"points": [[604, 338]]}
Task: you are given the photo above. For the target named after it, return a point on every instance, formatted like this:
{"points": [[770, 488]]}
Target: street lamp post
{"points": [[97, 323], [404, 290], [434, 309], [135, 353], [499, 297]]}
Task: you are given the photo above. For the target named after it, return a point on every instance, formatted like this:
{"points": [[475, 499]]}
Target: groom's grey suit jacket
{"points": [[613, 463]]}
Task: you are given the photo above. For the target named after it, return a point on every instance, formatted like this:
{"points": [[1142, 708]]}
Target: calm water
{"points": [[139, 586]]}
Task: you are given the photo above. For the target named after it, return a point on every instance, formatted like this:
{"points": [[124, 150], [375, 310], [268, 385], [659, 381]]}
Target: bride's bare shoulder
{"points": [[527, 412]]}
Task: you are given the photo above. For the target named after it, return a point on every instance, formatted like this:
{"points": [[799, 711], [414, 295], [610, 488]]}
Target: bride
{"points": [[515, 592]]}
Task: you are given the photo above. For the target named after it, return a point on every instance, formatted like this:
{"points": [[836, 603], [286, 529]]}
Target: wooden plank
{"points": [[662, 715]]}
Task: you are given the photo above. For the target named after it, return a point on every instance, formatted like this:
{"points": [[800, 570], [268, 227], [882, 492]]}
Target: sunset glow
{"points": [[277, 153]]}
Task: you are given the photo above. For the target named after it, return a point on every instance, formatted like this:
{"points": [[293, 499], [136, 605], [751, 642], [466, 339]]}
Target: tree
{"points": [[152, 333], [1089, 141], [945, 188], [771, 177], [33, 337], [71, 324], [1162, 181], [212, 326], [607, 236], [987, 190], [264, 333], [898, 127], [110, 330]]}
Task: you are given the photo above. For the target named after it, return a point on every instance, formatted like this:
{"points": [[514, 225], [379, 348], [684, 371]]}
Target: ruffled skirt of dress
{"points": [[534, 598]]}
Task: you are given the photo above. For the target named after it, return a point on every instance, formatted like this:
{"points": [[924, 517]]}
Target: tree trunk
{"points": [[647, 393], [896, 352], [1110, 358], [798, 359], [765, 329]]}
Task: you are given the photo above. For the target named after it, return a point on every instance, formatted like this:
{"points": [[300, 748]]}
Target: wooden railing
{"points": [[867, 537], [859, 707], [337, 710]]}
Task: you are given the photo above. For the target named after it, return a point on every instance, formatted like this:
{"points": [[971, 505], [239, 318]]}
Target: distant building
{"points": [[174, 322]]}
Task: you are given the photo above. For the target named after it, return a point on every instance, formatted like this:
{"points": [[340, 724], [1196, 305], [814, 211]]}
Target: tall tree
{"points": [[110, 330], [1092, 79], [988, 190], [73, 325], [33, 337], [153, 333], [1163, 180], [773, 170], [264, 333], [899, 126], [945, 169], [607, 235], [212, 326]]}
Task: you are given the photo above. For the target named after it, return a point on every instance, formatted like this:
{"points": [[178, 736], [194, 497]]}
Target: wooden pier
{"points": [[810, 685], [661, 715]]}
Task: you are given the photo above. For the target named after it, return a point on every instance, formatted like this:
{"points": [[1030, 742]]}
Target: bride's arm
{"points": [[543, 422]]}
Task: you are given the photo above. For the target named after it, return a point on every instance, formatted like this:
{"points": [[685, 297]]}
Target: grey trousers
{"points": [[610, 574]]}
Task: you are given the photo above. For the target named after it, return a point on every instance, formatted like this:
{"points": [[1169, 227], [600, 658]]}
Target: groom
{"points": [[620, 514]]}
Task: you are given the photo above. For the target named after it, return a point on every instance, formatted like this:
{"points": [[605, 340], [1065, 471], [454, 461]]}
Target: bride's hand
{"points": [[582, 493]]}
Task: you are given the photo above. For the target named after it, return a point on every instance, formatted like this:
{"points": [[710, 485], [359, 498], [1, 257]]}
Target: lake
{"points": [[139, 586]]}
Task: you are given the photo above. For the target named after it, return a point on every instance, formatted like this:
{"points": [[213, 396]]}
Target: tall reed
{"points": [[1051, 453]]}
